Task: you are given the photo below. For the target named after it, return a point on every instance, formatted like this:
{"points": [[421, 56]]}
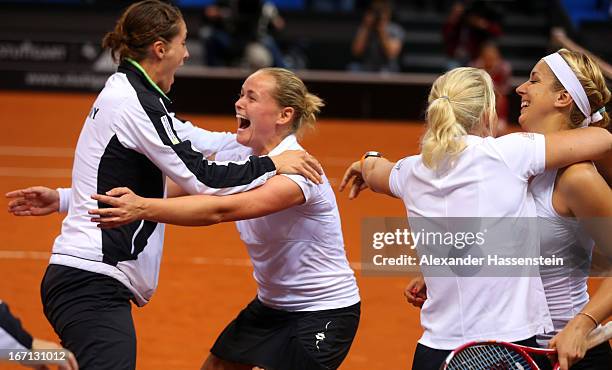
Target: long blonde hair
{"points": [[592, 80], [291, 92], [458, 102]]}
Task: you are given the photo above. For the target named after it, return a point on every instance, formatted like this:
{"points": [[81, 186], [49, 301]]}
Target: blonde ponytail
{"points": [[459, 102], [440, 140], [312, 107]]}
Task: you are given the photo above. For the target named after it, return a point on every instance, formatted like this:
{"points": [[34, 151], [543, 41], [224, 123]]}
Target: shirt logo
{"points": [[320, 337], [169, 131], [93, 112], [399, 163]]}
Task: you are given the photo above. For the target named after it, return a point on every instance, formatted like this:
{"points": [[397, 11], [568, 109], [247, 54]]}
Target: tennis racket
{"points": [[494, 355]]}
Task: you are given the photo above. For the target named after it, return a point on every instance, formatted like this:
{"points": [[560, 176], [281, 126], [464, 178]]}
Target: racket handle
{"points": [[599, 335]]}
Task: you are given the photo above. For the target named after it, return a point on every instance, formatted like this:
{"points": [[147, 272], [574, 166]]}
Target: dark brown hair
{"points": [[140, 25]]}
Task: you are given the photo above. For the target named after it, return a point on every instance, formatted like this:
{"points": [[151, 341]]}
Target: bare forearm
{"points": [[376, 172], [600, 304], [573, 146], [597, 310], [202, 210], [196, 210]]}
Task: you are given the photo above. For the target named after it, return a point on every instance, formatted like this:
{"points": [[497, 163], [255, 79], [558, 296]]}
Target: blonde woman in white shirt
{"points": [[563, 197], [464, 172], [307, 308]]}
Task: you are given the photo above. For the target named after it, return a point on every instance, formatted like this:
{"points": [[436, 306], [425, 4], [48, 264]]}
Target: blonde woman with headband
{"points": [[566, 91], [463, 171], [307, 308]]}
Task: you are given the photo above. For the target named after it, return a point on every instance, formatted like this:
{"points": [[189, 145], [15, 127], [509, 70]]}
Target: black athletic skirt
{"points": [[280, 340]]}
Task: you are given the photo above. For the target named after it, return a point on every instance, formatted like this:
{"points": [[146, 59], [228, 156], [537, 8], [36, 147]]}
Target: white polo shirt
{"points": [[298, 256], [489, 179]]}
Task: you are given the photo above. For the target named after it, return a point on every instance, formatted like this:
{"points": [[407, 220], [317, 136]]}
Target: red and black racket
{"points": [[495, 355]]}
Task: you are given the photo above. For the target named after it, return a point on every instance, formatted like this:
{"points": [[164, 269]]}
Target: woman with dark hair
{"points": [[132, 138]]}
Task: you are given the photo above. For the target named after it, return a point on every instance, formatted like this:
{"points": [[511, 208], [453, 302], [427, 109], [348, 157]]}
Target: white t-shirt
{"points": [[489, 179], [298, 256]]}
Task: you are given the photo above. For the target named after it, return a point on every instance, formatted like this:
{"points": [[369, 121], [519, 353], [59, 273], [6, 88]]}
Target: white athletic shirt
{"points": [[566, 291], [298, 256], [130, 138], [489, 179]]}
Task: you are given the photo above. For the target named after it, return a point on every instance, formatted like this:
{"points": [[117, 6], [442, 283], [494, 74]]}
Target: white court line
{"points": [[24, 255], [235, 262], [35, 172], [36, 151]]}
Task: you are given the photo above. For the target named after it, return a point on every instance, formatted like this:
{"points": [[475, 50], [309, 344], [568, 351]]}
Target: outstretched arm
{"points": [[35, 201], [277, 194], [371, 172], [151, 132], [572, 146]]}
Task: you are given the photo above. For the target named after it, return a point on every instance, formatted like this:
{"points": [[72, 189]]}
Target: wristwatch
{"points": [[371, 153]]}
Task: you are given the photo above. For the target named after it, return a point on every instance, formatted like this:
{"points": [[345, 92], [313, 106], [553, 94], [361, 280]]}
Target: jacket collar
{"points": [[129, 65]]}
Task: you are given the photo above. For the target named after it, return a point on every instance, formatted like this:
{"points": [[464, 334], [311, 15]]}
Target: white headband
{"points": [[570, 82]]}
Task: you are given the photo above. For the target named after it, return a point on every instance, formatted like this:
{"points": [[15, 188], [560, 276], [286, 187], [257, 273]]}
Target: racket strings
{"points": [[488, 357]]}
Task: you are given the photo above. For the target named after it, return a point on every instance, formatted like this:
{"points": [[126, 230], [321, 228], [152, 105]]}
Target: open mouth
{"points": [[243, 122]]}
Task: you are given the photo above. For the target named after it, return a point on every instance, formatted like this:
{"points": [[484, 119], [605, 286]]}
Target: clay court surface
{"points": [[205, 275]]}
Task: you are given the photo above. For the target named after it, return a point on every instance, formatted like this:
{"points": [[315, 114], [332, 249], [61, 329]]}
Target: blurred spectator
{"points": [[469, 25], [491, 60], [240, 33], [378, 42]]}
